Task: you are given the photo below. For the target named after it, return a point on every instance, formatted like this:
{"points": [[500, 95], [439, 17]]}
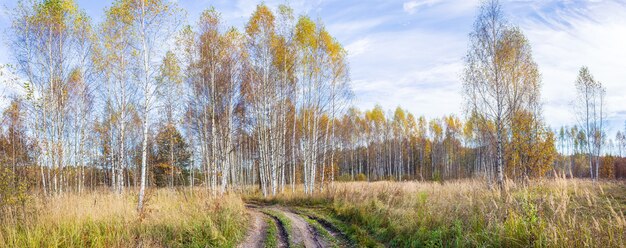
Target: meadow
{"points": [[548, 213], [103, 219], [542, 213], [163, 123]]}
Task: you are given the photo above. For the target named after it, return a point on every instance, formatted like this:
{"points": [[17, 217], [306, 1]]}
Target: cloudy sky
{"points": [[409, 53]]}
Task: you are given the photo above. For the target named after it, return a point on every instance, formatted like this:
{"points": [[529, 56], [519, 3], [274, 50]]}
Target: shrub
{"points": [[360, 177]]}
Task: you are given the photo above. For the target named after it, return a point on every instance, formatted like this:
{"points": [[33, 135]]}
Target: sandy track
{"points": [[302, 233], [257, 230], [282, 240], [341, 238]]}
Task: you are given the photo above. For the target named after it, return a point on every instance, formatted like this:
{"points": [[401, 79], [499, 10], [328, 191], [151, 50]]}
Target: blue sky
{"points": [[409, 52]]}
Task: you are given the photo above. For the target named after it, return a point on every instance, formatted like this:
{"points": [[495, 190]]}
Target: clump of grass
{"points": [[552, 213], [285, 222], [322, 231], [355, 235], [272, 233], [102, 219]]}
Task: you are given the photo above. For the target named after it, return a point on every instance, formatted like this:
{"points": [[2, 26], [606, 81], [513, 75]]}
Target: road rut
{"points": [[300, 234]]}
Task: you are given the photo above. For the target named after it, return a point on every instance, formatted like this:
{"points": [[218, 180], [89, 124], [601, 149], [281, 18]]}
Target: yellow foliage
{"points": [[531, 150], [607, 167], [262, 20]]}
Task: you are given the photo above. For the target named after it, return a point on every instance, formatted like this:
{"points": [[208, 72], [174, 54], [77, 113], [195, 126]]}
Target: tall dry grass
{"points": [[543, 213], [102, 219]]}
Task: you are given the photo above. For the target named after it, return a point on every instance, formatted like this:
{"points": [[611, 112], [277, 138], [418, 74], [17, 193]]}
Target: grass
{"points": [[322, 231], [356, 236], [285, 222], [103, 219], [548, 213], [542, 213], [271, 240]]}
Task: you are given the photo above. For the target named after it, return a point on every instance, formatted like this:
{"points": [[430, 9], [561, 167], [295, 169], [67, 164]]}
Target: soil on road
{"points": [[297, 232], [257, 231]]}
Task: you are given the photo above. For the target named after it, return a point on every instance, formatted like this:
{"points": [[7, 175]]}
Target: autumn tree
{"points": [[531, 150], [15, 159], [589, 110], [170, 143], [266, 96], [500, 77], [51, 42], [169, 80], [114, 61], [151, 24], [607, 167]]}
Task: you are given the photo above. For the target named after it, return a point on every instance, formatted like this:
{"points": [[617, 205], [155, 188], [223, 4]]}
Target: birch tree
{"points": [[265, 100], [152, 24], [500, 77], [50, 44], [116, 65], [169, 80], [589, 110]]}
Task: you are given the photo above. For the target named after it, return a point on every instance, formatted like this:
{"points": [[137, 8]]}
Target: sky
{"points": [[409, 53]]}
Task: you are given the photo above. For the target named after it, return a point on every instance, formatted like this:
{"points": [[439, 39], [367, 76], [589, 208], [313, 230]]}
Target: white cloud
{"points": [[416, 69], [592, 35], [357, 47], [356, 28], [418, 65], [412, 6]]}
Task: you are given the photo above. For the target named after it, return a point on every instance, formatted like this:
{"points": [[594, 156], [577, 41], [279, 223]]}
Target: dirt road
{"points": [[292, 229], [257, 231]]}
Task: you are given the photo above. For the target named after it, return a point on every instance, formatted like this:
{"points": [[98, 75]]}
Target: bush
{"points": [[360, 177], [12, 190], [344, 178]]}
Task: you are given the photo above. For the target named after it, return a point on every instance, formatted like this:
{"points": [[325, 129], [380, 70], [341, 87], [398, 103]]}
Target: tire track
{"points": [[257, 235], [283, 238], [257, 230], [303, 233], [340, 237], [296, 232]]}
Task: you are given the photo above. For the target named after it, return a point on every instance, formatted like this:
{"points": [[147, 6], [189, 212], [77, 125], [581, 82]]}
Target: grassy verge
{"points": [[172, 219]]}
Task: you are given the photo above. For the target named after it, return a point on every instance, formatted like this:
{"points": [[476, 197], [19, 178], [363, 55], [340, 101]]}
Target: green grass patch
{"points": [[322, 231], [355, 235], [271, 238], [285, 222]]}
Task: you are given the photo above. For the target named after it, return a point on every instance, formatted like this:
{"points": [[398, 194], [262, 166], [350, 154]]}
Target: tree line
{"points": [[141, 99]]}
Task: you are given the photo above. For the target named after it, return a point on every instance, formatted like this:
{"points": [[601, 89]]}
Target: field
{"points": [[548, 213], [103, 219]]}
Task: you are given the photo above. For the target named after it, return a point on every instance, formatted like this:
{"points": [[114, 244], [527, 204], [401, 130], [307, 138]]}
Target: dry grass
{"points": [[102, 219], [548, 213]]}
